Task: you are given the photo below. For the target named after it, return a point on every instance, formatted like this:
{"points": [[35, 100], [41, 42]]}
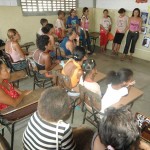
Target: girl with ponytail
{"points": [[118, 83], [89, 72]]}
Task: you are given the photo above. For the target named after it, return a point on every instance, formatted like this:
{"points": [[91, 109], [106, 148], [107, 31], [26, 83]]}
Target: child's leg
{"points": [[102, 42]]}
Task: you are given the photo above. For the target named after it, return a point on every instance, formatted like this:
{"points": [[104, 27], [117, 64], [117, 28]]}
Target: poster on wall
{"points": [[144, 16], [141, 1], [144, 30], [146, 42]]}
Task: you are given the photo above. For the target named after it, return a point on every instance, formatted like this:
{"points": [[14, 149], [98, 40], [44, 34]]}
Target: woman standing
{"points": [[84, 29], [133, 34]]}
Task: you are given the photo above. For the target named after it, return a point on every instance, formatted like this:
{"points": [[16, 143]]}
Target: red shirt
{"points": [[11, 92]]}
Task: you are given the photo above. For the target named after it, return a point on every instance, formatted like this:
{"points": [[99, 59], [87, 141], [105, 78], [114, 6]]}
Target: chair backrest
{"points": [[32, 65], [63, 80], [91, 100]]}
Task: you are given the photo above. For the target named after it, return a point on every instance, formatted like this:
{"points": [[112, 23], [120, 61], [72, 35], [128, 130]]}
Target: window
{"points": [[46, 7]]}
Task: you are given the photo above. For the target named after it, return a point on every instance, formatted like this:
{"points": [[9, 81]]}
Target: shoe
{"points": [[122, 58]]}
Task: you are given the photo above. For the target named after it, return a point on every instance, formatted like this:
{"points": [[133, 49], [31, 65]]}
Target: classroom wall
{"points": [[27, 26]]}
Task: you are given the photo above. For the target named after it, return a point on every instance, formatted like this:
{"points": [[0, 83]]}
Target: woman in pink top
{"points": [[12, 46], [84, 34], [133, 34]]}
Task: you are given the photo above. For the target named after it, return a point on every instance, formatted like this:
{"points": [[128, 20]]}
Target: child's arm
{"points": [[84, 19]]}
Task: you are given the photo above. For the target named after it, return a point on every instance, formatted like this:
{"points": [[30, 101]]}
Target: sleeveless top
{"points": [[14, 54], [11, 92], [84, 25], [39, 66], [74, 78], [134, 26], [63, 46]]}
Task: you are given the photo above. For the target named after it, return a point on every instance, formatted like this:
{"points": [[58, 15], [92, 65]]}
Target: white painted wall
{"points": [[8, 2], [117, 4], [85, 3]]}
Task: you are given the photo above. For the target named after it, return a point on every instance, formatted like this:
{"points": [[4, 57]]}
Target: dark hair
{"points": [[84, 10], [60, 12], [1, 62], [105, 10], [136, 9], [54, 104], [123, 75], [70, 32], [47, 28], [121, 10], [87, 66], [71, 11], [79, 53], [43, 20], [42, 41], [118, 129]]}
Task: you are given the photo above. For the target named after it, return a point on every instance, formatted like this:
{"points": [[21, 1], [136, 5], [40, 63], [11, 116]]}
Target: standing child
{"points": [[122, 23], [59, 25], [134, 26], [105, 26], [84, 34], [117, 87], [73, 21]]}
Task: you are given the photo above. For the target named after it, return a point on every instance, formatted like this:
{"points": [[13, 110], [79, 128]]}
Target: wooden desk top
{"points": [[133, 95], [27, 100], [57, 67], [94, 34], [18, 75]]}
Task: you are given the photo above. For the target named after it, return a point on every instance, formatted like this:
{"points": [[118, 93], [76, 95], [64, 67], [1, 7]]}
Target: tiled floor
{"points": [[105, 63]]}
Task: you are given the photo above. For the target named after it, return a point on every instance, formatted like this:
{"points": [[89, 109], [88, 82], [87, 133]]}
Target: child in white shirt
{"points": [[117, 87]]}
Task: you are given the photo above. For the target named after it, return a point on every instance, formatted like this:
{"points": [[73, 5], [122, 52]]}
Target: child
{"points": [[117, 87], [89, 72], [105, 26], [84, 34], [73, 21], [59, 25], [122, 23], [43, 22]]}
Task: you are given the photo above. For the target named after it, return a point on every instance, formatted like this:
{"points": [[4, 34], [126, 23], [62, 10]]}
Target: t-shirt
{"points": [[105, 22], [42, 135], [92, 86], [112, 96], [72, 21], [40, 31], [59, 24], [122, 23]]}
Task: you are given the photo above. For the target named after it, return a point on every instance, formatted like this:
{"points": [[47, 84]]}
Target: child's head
{"points": [[72, 12], [44, 22], [123, 76], [89, 67], [85, 11], [13, 35], [136, 12], [121, 11], [48, 29], [105, 12], [61, 14]]}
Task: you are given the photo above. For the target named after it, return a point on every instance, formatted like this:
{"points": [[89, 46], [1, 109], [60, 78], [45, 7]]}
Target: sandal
{"points": [[122, 58]]}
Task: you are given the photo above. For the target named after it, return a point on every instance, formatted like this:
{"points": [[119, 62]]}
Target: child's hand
{"points": [[131, 83]]}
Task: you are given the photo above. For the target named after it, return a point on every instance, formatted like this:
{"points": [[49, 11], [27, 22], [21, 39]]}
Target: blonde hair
{"points": [[11, 33]]}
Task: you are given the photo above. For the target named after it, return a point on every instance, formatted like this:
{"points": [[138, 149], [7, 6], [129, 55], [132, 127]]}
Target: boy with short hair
{"points": [[43, 22]]}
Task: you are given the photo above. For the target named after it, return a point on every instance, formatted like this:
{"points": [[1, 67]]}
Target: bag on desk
{"points": [[144, 124]]}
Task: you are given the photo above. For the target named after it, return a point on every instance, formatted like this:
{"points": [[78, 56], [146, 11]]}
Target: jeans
{"points": [[85, 41], [132, 38]]}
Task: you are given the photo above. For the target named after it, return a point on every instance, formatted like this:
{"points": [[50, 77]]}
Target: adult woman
{"points": [[46, 128], [13, 48], [117, 131], [9, 95], [89, 72], [84, 29], [68, 44], [42, 57], [73, 67], [134, 26]]}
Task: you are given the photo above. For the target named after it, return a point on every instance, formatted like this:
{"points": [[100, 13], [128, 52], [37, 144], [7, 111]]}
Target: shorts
{"points": [[118, 38], [20, 65]]}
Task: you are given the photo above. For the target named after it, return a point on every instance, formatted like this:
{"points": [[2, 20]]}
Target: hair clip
{"points": [[109, 147], [75, 56]]}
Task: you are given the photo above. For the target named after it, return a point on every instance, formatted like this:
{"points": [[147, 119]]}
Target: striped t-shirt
{"points": [[41, 135]]}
